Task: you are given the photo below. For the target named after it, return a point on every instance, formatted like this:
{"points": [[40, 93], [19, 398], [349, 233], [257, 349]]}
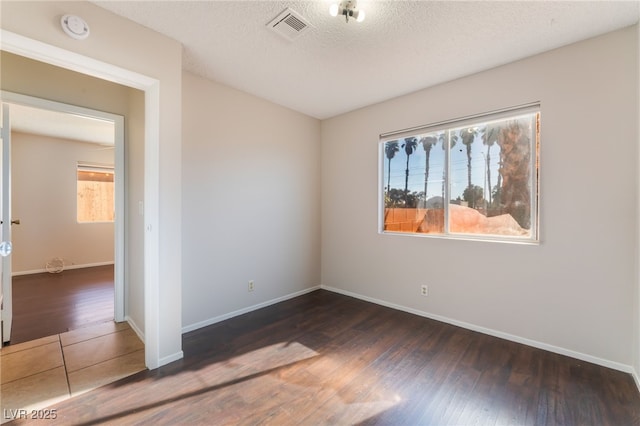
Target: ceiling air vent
{"points": [[289, 24]]}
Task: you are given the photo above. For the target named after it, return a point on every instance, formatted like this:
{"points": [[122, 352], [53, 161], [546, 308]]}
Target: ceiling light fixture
{"points": [[347, 8]]}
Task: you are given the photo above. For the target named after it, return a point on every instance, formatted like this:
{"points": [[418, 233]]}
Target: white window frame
{"points": [[444, 126], [98, 168]]}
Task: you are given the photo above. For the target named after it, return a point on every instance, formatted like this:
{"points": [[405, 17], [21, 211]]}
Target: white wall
{"points": [[44, 196], [130, 46], [575, 291], [251, 176]]}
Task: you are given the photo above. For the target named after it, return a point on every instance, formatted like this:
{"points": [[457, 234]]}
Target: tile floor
{"points": [[41, 372]]}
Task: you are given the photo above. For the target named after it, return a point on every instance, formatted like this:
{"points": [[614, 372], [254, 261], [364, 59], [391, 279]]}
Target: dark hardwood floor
{"points": [[324, 358], [47, 304]]}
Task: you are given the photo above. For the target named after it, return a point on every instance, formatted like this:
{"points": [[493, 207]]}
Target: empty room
{"points": [[340, 212]]}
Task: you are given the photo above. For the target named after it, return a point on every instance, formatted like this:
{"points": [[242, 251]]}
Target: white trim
{"points": [[6, 312], [242, 311], [85, 265], [170, 358], [43, 52], [151, 225], [482, 117], [636, 340], [134, 327], [34, 49], [517, 339], [119, 224]]}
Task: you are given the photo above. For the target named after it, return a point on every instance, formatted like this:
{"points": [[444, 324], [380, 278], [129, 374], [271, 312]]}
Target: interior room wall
{"points": [[132, 47], [134, 225], [251, 193], [44, 196], [572, 293]]}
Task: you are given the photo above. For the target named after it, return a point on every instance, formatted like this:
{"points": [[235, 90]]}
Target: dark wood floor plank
{"points": [[46, 304], [324, 358]]}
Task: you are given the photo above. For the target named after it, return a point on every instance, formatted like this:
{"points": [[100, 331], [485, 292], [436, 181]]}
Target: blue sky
{"points": [[458, 167]]}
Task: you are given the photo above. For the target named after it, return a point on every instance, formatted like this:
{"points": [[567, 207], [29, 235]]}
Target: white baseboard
{"points": [[135, 327], [163, 361], [540, 345], [223, 317], [39, 271], [517, 339], [167, 359]]}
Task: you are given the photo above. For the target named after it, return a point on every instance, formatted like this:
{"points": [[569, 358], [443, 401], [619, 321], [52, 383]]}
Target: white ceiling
{"points": [[61, 125], [335, 67], [401, 47]]}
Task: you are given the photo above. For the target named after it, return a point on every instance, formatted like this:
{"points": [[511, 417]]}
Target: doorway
{"points": [[148, 281], [59, 170], [56, 146]]}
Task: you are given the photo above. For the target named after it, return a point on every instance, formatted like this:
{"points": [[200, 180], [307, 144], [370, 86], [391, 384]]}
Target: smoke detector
{"points": [[289, 24], [75, 27]]}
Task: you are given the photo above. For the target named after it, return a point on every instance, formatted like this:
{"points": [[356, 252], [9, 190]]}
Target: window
{"points": [[95, 193], [475, 178]]}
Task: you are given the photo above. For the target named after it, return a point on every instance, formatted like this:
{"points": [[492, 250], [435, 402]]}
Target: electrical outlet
{"points": [[251, 285], [424, 290]]}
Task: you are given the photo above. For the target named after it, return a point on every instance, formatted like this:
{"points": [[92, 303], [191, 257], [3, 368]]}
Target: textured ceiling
{"points": [[401, 47], [335, 67]]}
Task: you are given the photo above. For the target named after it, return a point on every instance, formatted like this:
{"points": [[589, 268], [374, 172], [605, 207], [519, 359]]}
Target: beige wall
{"points": [[132, 47], [43, 196], [251, 182], [134, 223], [575, 291]]}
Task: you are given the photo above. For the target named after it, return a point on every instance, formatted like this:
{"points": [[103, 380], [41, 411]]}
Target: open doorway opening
{"points": [[139, 97], [67, 187], [64, 195], [67, 190]]}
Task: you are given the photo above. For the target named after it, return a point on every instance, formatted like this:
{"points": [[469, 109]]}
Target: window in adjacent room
{"points": [[95, 193], [475, 178]]}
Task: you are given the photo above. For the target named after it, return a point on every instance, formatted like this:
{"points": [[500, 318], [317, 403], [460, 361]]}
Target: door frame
{"points": [[6, 292], [119, 178], [43, 52]]}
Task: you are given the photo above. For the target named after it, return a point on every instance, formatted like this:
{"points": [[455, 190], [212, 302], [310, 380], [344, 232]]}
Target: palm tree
{"points": [[490, 137], [427, 143], [390, 149], [453, 140], [409, 145], [515, 169], [468, 136]]}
